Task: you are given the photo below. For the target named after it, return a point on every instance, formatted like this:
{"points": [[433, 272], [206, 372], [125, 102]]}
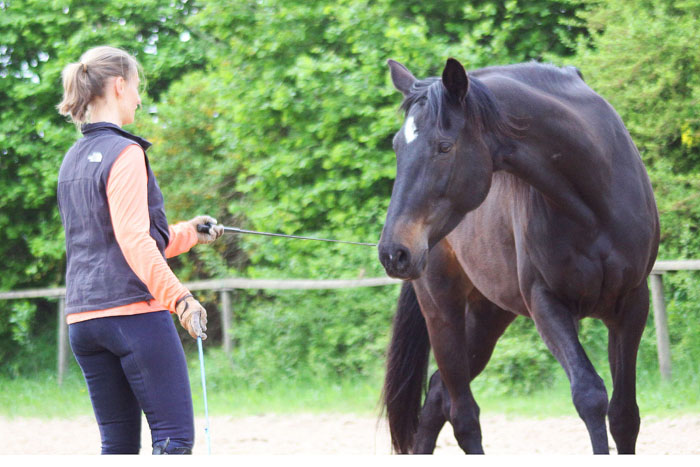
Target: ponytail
{"points": [[85, 80]]}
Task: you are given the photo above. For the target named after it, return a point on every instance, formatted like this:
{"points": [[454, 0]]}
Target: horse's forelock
{"points": [[481, 108], [433, 93]]}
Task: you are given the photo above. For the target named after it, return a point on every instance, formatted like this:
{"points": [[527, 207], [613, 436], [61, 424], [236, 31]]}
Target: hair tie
{"points": [[84, 67]]}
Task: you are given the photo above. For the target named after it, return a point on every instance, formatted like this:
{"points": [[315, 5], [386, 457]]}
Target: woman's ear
{"points": [[119, 85]]}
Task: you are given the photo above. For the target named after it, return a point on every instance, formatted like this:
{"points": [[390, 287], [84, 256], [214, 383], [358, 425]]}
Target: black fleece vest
{"points": [[97, 274]]}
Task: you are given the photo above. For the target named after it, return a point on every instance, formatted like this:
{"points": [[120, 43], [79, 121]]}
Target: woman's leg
{"points": [[154, 363], [116, 409]]}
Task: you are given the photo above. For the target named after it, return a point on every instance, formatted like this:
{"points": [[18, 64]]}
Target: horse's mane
{"points": [[482, 110]]}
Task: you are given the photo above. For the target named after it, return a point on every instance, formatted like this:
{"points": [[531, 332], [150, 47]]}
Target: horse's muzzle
{"points": [[399, 263]]}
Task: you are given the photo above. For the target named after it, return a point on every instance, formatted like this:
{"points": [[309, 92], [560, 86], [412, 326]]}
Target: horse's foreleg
{"points": [[485, 323], [442, 293], [557, 326], [624, 335]]}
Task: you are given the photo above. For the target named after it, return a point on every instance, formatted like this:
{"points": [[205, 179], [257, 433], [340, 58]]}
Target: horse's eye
{"points": [[444, 147]]}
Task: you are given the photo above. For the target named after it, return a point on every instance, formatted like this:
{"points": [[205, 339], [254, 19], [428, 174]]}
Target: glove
{"points": [[192, 315], [215, 231]]}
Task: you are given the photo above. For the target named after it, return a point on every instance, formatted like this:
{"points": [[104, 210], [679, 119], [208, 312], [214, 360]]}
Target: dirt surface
{"points": [[349, 435]]}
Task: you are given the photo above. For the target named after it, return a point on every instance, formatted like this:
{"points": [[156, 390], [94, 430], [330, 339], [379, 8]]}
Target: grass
{"points": [[40, 396], [307, 397]]}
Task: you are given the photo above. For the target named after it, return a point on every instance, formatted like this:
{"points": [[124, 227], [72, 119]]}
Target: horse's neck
{"points": [[559, 188], [559, 151]]}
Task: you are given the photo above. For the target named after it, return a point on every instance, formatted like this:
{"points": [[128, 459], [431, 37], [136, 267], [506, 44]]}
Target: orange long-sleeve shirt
{"points": [[127, 196]]}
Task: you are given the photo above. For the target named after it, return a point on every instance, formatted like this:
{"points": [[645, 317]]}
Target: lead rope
{"points": [[204, 228], [204, 389]]}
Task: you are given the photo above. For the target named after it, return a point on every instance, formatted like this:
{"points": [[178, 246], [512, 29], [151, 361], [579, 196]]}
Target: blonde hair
{"points": [[85, 80]]}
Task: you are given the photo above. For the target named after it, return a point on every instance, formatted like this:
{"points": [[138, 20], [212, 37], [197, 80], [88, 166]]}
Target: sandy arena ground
{"points": [[349, 435]]}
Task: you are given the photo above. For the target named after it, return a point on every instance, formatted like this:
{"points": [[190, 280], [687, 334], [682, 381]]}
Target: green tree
{"points": [[645, 60], [497, 32]]}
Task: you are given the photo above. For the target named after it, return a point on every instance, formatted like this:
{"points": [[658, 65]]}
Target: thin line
{"points": [[268, 234], [204, 389]]}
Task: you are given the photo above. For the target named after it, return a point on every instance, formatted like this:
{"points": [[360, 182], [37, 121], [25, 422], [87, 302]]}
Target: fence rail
{"points": [[225, 286]]}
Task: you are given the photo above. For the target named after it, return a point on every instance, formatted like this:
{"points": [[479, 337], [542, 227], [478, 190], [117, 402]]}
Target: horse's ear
{"points": [[455, 79], [402, 78]]}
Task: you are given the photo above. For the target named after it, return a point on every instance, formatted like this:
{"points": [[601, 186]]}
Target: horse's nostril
{"points": [[401, 258]]}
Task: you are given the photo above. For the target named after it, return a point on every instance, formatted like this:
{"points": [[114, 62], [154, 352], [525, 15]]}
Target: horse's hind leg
{"points": [[433, 416], [624, 334], [485, 323], [557, 326]]}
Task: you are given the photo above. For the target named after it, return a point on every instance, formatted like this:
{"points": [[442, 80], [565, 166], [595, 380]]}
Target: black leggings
{"points": [[130, 364]]}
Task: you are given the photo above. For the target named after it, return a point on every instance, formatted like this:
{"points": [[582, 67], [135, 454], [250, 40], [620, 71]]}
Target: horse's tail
{"points": [[407, 367]]}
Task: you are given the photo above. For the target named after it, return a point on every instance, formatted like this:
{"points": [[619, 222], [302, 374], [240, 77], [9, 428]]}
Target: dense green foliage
{"points": [[278, 115], [648, 65]]}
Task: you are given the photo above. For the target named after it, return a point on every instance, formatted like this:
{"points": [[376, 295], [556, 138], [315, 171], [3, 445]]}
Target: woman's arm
{"points": [[127, 195], [183, 236]]}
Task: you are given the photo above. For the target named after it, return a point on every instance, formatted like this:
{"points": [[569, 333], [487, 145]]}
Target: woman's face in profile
{"points": [[130, 99]]}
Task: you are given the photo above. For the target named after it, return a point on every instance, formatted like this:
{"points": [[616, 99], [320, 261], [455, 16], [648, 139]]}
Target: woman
{"points": [[119, 289]]}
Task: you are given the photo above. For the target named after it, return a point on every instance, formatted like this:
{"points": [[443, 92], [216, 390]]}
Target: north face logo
{"points": [[95, 157]]}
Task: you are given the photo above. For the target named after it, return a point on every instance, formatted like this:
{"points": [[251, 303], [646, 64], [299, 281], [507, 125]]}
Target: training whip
{"points": [[204, 228], [204, 388]]}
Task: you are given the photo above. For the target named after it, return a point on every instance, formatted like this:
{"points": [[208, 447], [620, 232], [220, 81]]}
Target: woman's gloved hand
{"points": [[215, 231], [192, 315]]}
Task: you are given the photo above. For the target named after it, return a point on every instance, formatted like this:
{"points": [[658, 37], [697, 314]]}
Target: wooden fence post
{"points": [[62, 339], [226, 320], [661, 323]]}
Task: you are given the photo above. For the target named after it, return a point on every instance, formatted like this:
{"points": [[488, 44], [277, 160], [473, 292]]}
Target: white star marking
{"points": [[410, 131]]}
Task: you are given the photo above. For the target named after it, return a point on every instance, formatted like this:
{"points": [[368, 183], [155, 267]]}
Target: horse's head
{"points": [[444, 167]]}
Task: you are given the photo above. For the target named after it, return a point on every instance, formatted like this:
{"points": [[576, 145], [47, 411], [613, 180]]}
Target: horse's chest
{"points": [[486, 252]]}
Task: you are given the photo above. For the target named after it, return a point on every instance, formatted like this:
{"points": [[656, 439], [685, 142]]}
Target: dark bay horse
{"points": [[518, 192]]}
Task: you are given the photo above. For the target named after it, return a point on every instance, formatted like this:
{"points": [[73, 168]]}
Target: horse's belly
{"points": [[499, 288]]}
